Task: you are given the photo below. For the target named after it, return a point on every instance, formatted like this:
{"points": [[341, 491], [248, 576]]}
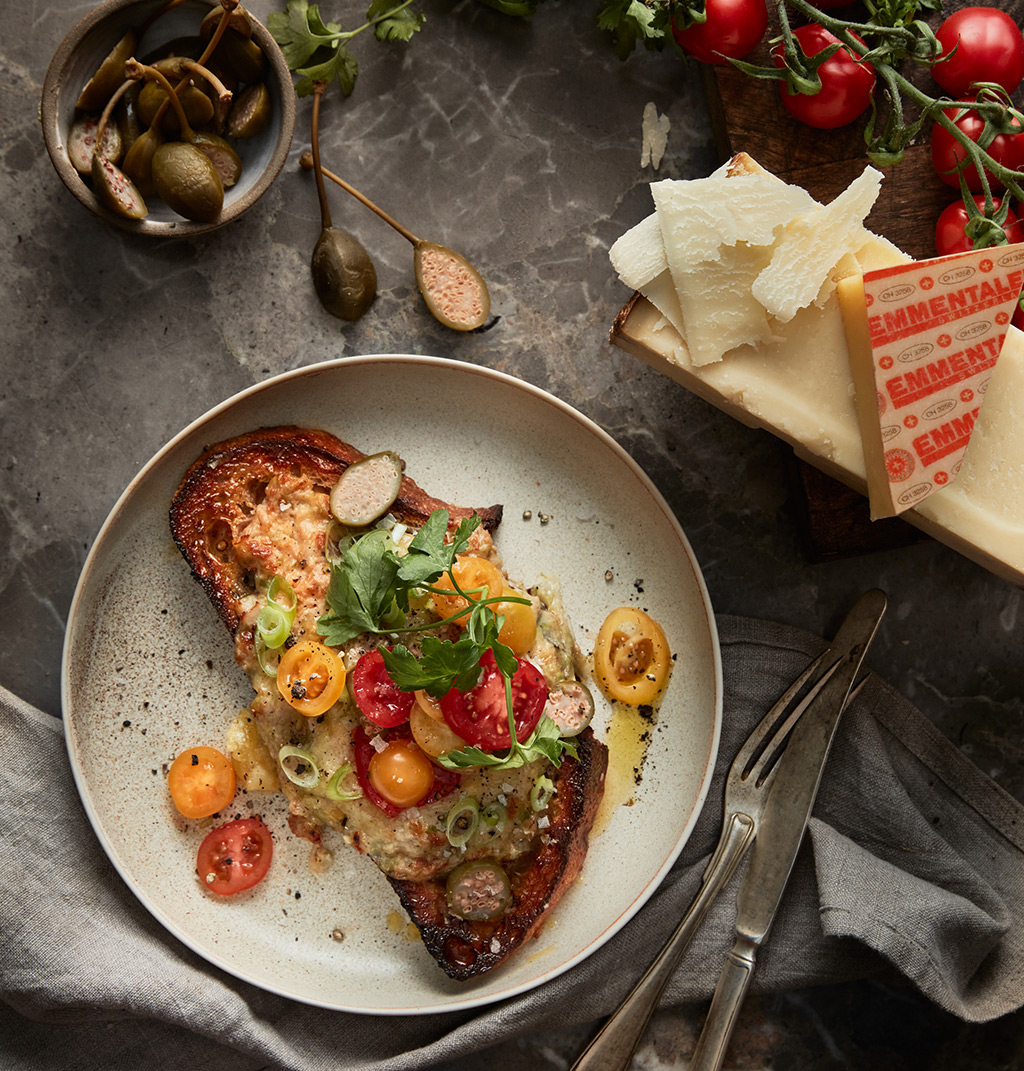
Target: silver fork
{"points": [[746, 788]]}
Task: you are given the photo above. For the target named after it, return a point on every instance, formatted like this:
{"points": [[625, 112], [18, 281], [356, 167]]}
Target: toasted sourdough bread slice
{"points": [[257, 506]]}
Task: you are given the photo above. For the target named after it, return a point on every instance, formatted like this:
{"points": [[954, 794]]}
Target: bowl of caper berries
{"points": [[168, 117]]}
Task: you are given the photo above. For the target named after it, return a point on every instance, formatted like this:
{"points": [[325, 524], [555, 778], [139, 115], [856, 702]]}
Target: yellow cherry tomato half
{"points": [[401, 773], [429, 705], [472, 575], [632, 659], [519, 629], [311, 677], [201, 782], [434, 737]]}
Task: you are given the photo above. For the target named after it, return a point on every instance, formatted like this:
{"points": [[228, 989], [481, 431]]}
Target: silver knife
{"points": [[782, 829]]}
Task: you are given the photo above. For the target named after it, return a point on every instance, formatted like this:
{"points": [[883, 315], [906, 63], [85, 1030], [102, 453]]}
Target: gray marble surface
{"points": [[519, 144]]}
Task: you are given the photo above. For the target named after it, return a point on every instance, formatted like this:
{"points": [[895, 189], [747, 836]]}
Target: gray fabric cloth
{"points": [[914, 860]]}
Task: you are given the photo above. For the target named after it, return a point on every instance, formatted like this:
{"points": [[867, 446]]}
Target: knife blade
{"points": [[782, 827]]}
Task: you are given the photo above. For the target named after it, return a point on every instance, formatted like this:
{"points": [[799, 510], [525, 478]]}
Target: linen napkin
{"points": [[914, 860]]}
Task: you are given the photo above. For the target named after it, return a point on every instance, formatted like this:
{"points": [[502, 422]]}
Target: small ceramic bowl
{"points": [[83, 51]]}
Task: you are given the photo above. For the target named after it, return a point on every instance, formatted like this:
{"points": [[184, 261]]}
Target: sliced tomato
{"points": [[480, 715], [201, 781], [311, 677], [235, 856], [377, 695], [445, 781], [632, 658]]}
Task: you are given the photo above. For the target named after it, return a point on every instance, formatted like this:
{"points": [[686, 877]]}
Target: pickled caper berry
{"points": [[187, 181]]}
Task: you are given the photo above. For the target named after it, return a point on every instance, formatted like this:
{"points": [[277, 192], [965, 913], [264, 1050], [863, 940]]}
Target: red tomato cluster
{"points": [[979, 44]]}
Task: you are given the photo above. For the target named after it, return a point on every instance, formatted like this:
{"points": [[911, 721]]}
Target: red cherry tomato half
{"points": [[846, 83], [989, 48], [377, 695], [235, 856], [445, 781], [947, 152], [950, 236], [480, 716], [731, 28]]}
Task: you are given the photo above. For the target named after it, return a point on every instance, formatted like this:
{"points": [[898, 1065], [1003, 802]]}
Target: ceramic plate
{"points": [[148, 671]]}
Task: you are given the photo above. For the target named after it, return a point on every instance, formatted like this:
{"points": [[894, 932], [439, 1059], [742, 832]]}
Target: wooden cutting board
{"points": [[747, 116]]}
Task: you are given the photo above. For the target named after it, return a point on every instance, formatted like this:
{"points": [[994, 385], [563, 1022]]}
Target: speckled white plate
{"points": [[148, 671]]}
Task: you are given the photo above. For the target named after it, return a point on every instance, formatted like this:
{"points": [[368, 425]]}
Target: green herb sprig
{"points": [[315, 49]]}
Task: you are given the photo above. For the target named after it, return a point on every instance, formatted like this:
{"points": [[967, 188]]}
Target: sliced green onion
{"points": [[282, 595], [273, 626], [541, 793], [495, 816], [274, 621], [268, 665], [334, 790], [304, 772], [462, 822]]}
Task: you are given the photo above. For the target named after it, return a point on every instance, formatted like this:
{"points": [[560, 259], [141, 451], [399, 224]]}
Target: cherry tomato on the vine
{"points": [[950, 236], [947, 152], [989, 48], [846, 83], [235, 856], [732, 28]]}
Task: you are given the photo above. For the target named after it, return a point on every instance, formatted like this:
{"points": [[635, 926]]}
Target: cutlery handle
{"points": [[725, 1006], [613, 1047]]}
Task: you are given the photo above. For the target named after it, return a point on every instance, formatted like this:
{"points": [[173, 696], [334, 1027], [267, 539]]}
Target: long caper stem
{"points": [[101, 126], [134, 69], [308, 161], [228, 6], [325, 212]]}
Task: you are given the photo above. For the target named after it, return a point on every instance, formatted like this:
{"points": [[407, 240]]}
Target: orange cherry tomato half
{"points": [[472, 575], [632, 659], [402, 774], [311, 677], [201, 782], [433, 735], [235, 856], [519, 629]]}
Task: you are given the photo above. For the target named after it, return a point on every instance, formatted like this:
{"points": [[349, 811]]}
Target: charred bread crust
{"points": [[223, 486], [539, 880]]}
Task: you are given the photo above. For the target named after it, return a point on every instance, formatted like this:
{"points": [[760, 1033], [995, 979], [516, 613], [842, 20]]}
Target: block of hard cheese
{"points": [[924, 338]]}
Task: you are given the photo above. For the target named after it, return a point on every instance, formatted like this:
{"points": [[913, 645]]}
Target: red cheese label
{"points": [[936, 329]]}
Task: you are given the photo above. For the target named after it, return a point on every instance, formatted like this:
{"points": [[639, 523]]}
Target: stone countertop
{"points": [[518, 143]]}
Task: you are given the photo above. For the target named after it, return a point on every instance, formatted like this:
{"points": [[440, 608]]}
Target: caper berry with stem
{"points": [[182, 175], [344, 277], [454, 291], [111, 185]]}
